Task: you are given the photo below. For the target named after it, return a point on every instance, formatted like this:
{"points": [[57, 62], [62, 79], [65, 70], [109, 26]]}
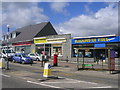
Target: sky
{"points": [[76, 18]]}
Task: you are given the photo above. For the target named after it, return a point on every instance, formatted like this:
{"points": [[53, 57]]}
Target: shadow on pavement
{"points": [[116, 72], [50, 78]]}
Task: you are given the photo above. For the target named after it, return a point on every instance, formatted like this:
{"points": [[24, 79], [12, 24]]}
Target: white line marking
{"points": [[102, 87], [4, 75], [59, 82], [82, 81], [42, 84]]}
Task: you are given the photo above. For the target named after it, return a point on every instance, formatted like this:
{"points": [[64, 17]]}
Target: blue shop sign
{"points": [[119, 38], [96, 40], [99, 45]]}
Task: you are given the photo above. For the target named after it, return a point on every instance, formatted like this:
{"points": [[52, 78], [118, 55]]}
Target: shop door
{"points": [[98, 54]]}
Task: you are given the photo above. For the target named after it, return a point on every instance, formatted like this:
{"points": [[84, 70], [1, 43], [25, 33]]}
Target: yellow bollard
{"points": [[2, 63], [47, 70]]}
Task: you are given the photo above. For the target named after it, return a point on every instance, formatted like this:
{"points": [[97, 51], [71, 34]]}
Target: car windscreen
{"points": [[25, 55], [9, 51], [32, 54], [37, 54]]}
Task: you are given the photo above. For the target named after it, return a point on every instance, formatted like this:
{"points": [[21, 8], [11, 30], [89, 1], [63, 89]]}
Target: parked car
{"points": [[8, 53], [22, 58], [35, 57]]}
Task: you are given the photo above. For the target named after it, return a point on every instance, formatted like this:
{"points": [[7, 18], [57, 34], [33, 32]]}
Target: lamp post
{"points": [[7, 62]]}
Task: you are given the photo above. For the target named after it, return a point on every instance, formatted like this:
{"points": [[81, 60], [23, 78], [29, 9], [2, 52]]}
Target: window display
{"points": [[57, 50]]}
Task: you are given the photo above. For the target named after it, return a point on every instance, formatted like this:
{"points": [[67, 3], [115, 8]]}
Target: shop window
{"points": [[57, 50]]}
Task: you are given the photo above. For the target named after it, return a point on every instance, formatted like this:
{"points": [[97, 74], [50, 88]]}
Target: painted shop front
{"points": [[54, 44], [23, 47], [95, 46]]}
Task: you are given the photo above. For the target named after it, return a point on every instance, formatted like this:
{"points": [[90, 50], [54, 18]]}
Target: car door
{"points": [[33, 56], [17, 58]]}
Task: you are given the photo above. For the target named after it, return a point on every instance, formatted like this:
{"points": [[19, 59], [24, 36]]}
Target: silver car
{"points": [[35, 57]]}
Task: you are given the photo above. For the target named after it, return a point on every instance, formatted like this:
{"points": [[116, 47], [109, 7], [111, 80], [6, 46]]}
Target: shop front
{"points": [[53, 44], [23, 47], [102, 51], [49, 46], [100, 43]]}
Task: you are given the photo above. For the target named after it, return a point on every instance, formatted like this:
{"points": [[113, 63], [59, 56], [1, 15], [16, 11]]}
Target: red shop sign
{"points": [[22, 43]]}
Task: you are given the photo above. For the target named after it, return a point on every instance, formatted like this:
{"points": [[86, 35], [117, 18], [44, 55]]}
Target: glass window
{"points": [[13, 35], [57, 50], [25, 55], [32, 54]]}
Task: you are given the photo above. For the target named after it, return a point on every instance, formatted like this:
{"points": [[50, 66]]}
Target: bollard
{"points": [[2, 63], [47, 70]]}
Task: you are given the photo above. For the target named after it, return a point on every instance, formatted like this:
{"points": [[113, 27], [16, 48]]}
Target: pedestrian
{"points": [[31, 63], [103, 57]]}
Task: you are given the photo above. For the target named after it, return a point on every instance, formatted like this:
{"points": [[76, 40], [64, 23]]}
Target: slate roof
{"points": [[27, 33]]}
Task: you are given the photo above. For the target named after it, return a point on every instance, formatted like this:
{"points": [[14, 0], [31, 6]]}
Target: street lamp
{"points": [[7, 62]]}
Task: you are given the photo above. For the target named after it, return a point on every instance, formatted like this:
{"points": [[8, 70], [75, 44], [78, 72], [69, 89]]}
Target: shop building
{"points": [[54, 44], [21, 40], [94, 46]]}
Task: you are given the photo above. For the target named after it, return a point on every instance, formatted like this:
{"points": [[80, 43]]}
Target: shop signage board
{"points": [[56, 40], [22, 43], [44, 40], [99, 45], [40, 40], [119, 38], [95, 40], [112, 60]]}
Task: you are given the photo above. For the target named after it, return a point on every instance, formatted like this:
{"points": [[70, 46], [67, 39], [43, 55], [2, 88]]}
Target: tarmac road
{"points": [[30, 76], [13, 82]]}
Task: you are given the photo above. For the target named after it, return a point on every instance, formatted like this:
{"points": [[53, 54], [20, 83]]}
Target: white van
{"points": [[8, 52]]}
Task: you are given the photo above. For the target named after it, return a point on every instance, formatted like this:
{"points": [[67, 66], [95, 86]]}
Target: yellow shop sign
{"points": [[40, 40]]}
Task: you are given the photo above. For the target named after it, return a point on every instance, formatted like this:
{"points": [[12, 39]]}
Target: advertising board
{"points": [[95, 40]]}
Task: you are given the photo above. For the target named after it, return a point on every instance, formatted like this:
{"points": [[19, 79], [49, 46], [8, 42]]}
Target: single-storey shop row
{"points": [[95, 46]]}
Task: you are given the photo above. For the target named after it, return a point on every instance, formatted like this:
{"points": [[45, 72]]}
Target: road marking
{"points": [[4, 75], [43, 84], [80, 81], [102, 87], [59, 82]]}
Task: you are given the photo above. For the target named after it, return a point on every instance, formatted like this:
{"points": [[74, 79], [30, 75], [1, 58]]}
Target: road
{"points": [[27, 76], [13, 82]]}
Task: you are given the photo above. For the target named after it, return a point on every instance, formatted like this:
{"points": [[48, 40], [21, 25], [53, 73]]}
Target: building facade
{"points": [[54, 44], [21, 40], [94, 46]]}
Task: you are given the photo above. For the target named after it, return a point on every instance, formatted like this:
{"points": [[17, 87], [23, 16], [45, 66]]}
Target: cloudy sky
{"points": [[77, 18]]}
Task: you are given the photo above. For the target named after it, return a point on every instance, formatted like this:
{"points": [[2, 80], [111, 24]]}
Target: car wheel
{"points": [[22, 62], [37, 59], [13, 61]]}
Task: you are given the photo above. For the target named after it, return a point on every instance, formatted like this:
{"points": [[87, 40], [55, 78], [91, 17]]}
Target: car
{"points": [[8, 53], [35, 57], [2, 55], [22, 58]]}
